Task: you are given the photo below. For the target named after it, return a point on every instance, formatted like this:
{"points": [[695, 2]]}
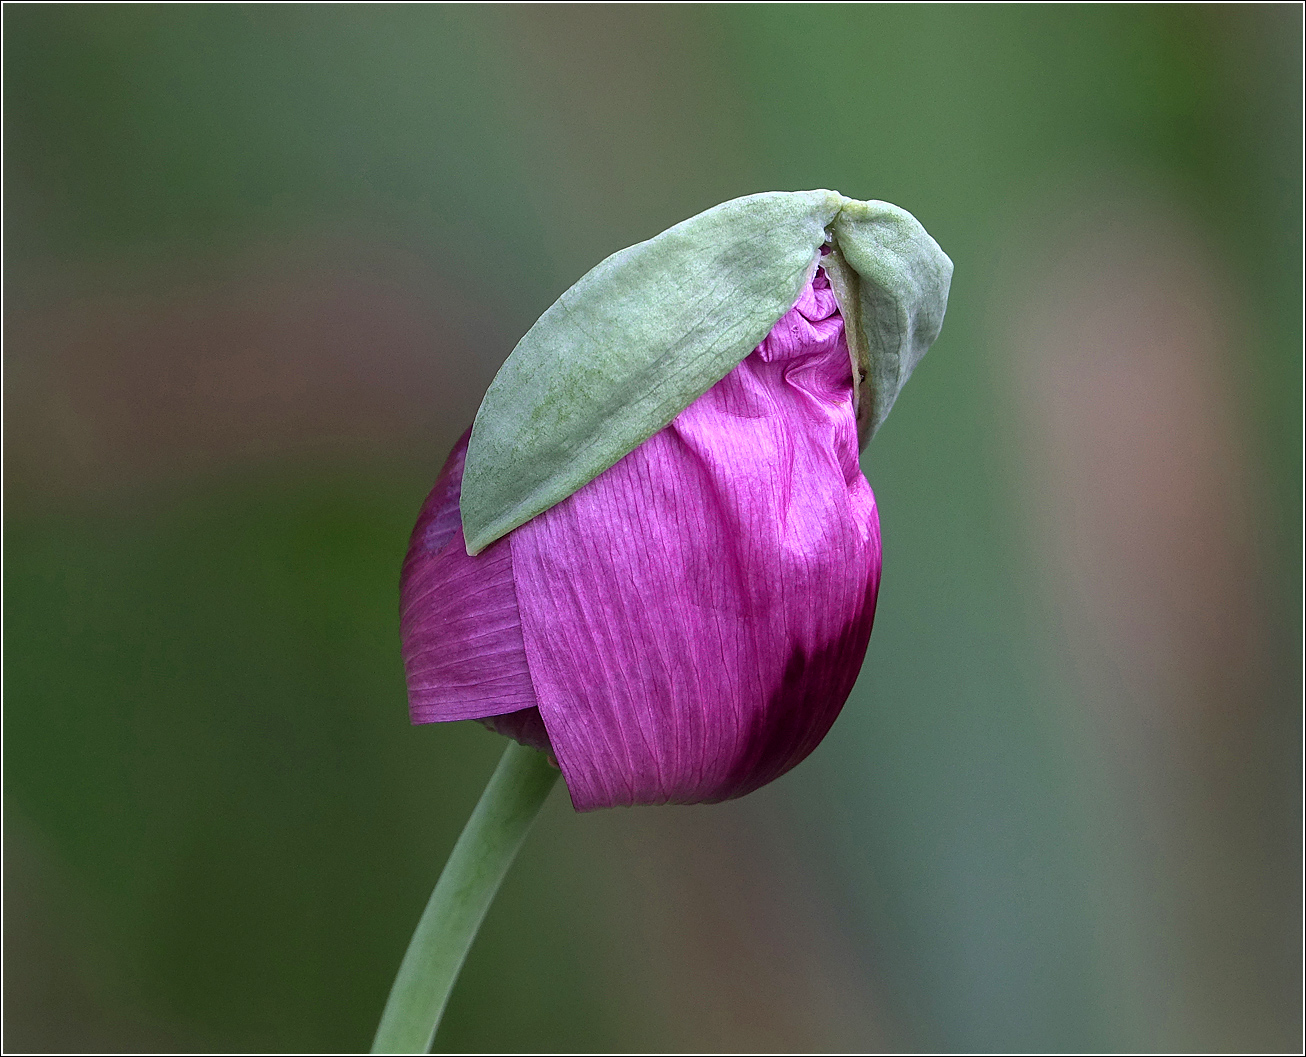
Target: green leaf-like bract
{"points": [[650, 329]]}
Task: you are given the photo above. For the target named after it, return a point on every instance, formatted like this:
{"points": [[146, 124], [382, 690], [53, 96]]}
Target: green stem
{"points": [[471, 877]]}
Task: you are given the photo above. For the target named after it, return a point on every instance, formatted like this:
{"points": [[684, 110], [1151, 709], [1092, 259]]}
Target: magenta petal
{"points": [[695, 617], [461, 631]]}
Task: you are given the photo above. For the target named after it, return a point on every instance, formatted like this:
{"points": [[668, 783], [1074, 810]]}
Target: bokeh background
{"points": [[261, 263]]}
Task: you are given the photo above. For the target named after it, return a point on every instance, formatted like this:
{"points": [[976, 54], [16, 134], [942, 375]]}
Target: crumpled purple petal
{"points": [[695, 617], [459, 621], [690, 623]]}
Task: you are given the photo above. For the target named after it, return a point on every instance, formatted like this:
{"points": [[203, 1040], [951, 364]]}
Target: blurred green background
{"points": [[260, 264]]}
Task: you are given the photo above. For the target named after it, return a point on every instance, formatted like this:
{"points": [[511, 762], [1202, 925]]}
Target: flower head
{"points": [[655, 554]]}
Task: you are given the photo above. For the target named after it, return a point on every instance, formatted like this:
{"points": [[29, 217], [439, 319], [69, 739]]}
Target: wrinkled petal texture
{"points": [[694, 618], [686, 627], [459, 622]]}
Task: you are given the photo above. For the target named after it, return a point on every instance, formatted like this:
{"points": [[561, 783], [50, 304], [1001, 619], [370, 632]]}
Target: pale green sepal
{"points": [[892, 304], [632, 344]]}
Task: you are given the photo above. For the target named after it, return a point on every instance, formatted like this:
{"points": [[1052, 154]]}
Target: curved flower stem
{"points": [[471, 877]]}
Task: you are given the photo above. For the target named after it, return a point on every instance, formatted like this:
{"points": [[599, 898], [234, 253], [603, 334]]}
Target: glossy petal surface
{"points": [[461, 630], [695, 617]]}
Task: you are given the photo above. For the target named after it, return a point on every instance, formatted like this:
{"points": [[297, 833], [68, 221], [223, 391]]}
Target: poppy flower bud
{"points": [[654, 555]]}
